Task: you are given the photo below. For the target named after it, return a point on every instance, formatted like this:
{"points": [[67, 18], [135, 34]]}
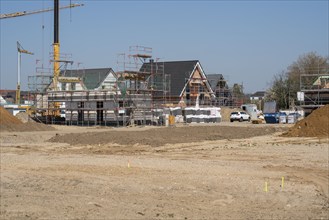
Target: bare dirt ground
{"points": [[185, 172]]}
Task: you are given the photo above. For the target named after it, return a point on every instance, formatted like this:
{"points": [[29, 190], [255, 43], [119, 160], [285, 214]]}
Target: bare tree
{"points": [[280, 90], [286, 84], [308, 64]]}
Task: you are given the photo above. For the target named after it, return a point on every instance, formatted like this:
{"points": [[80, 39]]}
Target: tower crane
{"points": [[18, 14], [56, 59], [20, 50], [56, 8]]}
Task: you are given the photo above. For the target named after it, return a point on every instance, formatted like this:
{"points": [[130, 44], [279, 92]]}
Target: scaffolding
{"points": [[138, 74], [314, 90], [39, 82], [39, 85], [225, 96], [136, 96], [102, 107], [195, 92]]}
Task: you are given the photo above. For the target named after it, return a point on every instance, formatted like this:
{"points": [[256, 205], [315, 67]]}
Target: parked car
{"points": [[239, 116]]}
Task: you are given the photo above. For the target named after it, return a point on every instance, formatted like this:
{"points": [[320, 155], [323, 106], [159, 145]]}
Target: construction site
{"points": [[142, 91], [155, 139], [189, 171]]}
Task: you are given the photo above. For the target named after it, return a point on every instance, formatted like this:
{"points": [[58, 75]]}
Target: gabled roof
{"points": [[92, 78], [213, 80], [179, 72], [258, 94]]}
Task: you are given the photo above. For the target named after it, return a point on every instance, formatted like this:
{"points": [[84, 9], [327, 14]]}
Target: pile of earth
{"points": [[164, 135], [314, 125], [23, 117], [8, 122]]}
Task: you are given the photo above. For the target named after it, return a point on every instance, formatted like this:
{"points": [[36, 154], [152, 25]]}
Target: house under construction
{"points": [[139, 92], [103, 97], [314, 90], [224, 95], [184, 82]]}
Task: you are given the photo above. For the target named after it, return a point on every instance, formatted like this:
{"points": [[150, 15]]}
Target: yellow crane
{"points": [[56, 51], [18, 14], [56, 8], [20, 50]]}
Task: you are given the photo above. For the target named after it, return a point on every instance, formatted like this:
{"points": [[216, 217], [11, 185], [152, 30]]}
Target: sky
{"points": [[247, 41]]}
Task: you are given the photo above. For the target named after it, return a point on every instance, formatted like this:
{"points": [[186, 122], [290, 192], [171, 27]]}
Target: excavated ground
{"points": [[187, 172], [165, 135]]}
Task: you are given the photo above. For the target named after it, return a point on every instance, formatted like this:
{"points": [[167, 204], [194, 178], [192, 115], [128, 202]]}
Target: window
{"points": [[73, 87], [63, 86], [81, 104]]}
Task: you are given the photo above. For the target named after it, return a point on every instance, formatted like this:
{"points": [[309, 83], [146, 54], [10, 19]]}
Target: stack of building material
{"points": [[202, 115]]}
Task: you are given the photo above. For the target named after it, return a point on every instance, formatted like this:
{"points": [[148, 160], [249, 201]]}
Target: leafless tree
{"points": [[286, 84]]}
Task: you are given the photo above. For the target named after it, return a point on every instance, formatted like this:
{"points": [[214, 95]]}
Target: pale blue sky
{"points": [[246, 41]]}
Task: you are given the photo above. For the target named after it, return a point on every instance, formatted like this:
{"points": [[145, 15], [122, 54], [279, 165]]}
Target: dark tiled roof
{"points": [[213, 80], [92, 78], [179, 72], [258, 94]]}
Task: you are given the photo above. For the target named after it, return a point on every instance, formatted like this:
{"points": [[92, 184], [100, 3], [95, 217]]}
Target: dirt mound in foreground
{"points": [[8, 122], [314, 125], [6, 118], [165, 135]]}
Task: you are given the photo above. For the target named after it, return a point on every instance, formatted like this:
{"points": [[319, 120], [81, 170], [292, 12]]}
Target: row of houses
{"points": [[181, 82], [102, 96]]}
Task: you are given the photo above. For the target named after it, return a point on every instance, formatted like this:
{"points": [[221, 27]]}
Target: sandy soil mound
{"points": [[23, 117], [9, 122], [6, 118], [161, 136], [314, 125]]}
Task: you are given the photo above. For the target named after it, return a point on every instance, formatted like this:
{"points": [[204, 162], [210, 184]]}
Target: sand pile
{"points": [[314, 125], [23, 117], [8, 122]]}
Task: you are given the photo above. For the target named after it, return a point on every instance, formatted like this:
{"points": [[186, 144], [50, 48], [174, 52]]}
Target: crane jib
{"points": [[18, 14]]}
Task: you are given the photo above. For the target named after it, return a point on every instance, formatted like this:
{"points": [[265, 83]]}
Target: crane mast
{"points": [[56, 44]]}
